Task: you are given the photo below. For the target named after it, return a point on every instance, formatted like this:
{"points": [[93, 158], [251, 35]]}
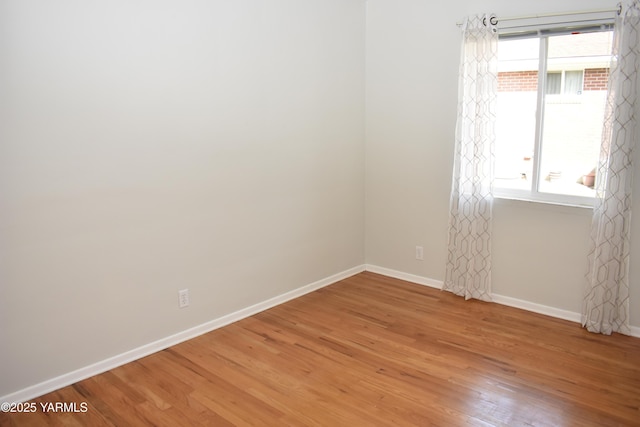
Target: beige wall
{"points": [[150, 146], [412, 64]]}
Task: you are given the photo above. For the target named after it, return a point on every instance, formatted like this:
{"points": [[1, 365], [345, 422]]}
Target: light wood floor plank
{"points": [[371, 351]]}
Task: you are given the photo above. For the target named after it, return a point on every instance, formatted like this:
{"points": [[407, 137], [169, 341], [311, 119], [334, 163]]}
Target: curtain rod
{"points": [[618, 10]]}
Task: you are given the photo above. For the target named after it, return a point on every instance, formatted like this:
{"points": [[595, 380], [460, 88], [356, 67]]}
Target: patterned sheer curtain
{"points": [[468, 271], [606, 303]]}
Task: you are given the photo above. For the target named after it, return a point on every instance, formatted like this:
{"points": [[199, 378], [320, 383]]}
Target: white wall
{"points": [[148, 146], [413, 51]]}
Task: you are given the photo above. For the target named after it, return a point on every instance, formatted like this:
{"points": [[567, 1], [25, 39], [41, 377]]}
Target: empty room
{"points": [[319, 212]]}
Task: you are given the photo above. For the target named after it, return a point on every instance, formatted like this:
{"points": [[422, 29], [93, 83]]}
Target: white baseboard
{"points": [[145, 350], [537, 308], [499, 299], [432, 283]]}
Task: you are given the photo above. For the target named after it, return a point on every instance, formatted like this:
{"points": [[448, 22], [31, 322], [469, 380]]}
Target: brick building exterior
{"points": [[526, 81]]}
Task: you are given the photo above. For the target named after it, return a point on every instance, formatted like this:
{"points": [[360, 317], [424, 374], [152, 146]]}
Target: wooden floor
{"points": [[371, 351]]}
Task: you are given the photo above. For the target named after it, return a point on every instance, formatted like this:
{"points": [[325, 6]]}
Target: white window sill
{"points": [[584, 203]]}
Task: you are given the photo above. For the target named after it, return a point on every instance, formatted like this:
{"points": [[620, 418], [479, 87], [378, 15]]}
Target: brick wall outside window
{"points": [[595, 78], [527, 81], [518, 81]]}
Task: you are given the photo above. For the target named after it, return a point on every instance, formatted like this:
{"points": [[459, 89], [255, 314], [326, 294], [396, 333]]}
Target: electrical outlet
{"points": [[419, 253], [183, 298]]}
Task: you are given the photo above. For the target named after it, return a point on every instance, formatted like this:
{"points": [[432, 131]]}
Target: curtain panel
{"points": [[468, 270], [606, 302]]}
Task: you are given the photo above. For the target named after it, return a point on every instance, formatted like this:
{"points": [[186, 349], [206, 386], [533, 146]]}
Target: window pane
{"points": [[573, 82], [516, 118], [554, 83], [573, 125]]}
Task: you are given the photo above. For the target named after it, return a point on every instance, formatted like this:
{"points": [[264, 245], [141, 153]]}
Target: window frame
{"points": [[533, 194]]}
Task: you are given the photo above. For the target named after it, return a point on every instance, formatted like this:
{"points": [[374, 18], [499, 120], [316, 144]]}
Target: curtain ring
{"points": [[619, 9], [493, 20]]}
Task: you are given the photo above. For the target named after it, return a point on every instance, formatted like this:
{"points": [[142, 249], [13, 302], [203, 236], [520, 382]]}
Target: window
{"points": [[564, 82], [548, 141]]}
